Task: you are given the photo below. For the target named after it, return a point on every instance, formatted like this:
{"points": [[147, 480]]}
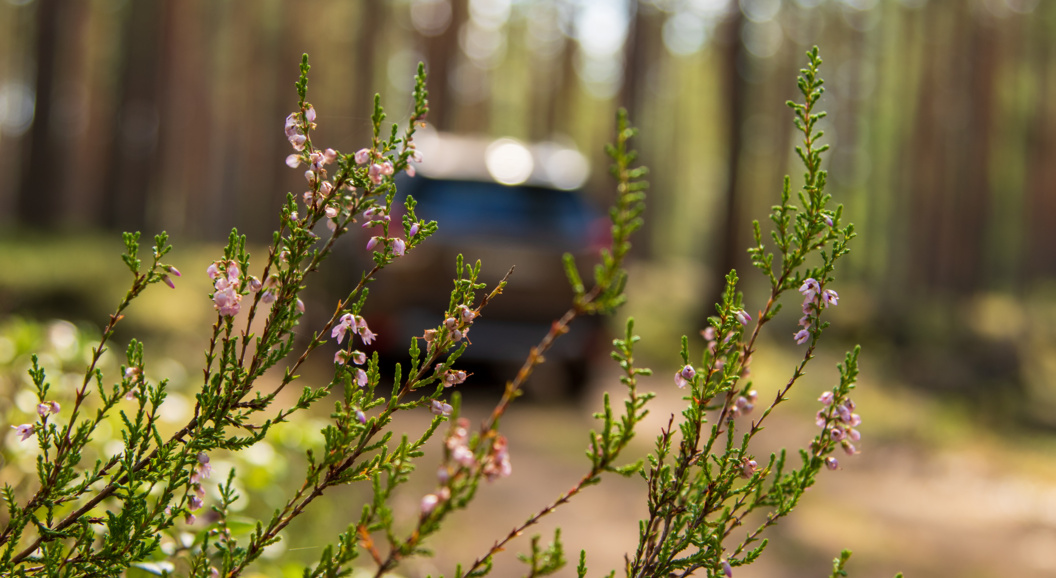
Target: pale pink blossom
{"points": [[293, 161], [810, 288], [362, 156], [375, 173], [24, 431], [498, 462], [398, 247], [429, 503], [829, 297], [346, 322], [440, 408], [685, 376], [463, 456]]}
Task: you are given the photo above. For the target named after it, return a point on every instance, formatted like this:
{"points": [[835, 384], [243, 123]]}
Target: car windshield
{"points": [[483, 209]]}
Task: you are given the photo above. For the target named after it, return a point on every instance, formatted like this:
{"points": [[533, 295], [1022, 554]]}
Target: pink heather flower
{"points": [[194, 502], [429, 335], [373, 242], [375, 174], [837, 434], [848, 447], [24, 431], [828, 220], [203, 469], [332, 212], [316, 160], [364, 332], [743, 406], [174, 271], [410, 171], [387, 169], [329, 156], [466, 314], [801, 336], [829, 297], [341, 357], [820, 419], [347, 321], [43, 409], [748, 468], [685, 376], [300, 306], [362, 156], [358, 357], [291, 125], [453, 377], [361, 417], [440, 408], [310, 114], [268, 297], [254, 284], [810, 288], [361, 377], [832, 463], [412, 231], [293, 161], [165, 279], [213, 271], [708, 334], [189, 518], [826, 398], [463, 456], [227, 302], [853, 434], [743, 317], [429, 503], [727, 569], [416, 156], [498, 464], [297, 142], [398, 247]]}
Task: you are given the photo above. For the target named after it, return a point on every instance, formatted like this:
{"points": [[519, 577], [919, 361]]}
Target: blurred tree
{"points": [[39, 196]]}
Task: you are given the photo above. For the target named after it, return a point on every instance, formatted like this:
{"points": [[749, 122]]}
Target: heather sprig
{"points": [[702, 483]]}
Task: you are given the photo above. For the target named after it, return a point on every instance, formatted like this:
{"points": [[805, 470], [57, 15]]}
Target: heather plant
{"points": [[710, 498]]}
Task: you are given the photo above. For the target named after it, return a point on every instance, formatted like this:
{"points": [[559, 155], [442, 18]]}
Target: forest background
{"points": [[125, 115]]}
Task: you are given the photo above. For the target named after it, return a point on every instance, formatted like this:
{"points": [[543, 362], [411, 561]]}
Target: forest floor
{"points": [[957, 502]]}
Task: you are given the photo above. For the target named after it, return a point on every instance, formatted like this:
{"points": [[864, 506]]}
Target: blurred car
{"points": [[509, 205]]}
